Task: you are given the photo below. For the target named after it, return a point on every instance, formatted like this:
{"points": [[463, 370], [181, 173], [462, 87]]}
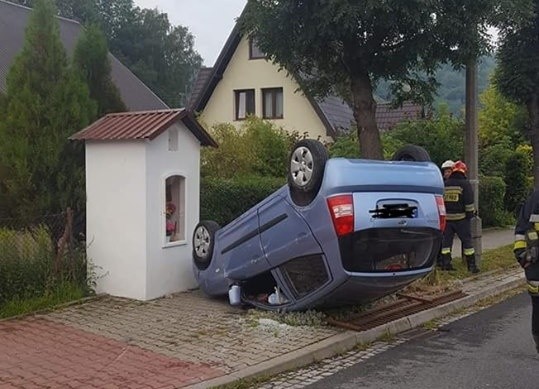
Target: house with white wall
{"points": [[137, 164], [244, 82]]}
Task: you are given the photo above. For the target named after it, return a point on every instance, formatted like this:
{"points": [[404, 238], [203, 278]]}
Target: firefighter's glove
{"points": [[522, 257]]}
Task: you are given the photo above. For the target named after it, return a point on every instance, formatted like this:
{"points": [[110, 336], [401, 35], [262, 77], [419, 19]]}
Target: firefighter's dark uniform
{"points": [[527, 252], [459, 206]]}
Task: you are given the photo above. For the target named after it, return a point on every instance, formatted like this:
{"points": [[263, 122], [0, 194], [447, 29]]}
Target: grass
{"points": [[61, 294]]}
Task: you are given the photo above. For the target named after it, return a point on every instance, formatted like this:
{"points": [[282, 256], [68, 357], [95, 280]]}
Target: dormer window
{"points": [[254, 51]]}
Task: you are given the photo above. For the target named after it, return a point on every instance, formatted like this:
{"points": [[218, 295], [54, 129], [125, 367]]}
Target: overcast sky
{"points": [[210, 21]]}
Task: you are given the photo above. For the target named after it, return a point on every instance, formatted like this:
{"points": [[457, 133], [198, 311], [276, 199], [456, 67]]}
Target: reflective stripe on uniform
{"points": [[446, 250], [536, 226], [533, 288], [519, 244], [469, 251], [534, 218], [455, 216], [469, 208]]}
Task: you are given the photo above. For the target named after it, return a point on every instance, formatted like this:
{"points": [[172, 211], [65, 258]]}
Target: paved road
{"points": [[490, 349]]}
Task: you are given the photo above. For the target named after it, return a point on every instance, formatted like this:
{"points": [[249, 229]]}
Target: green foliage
{"points": [[45, 104], [516, 179], [91, 61], [442, 136], [27, 263], [160, 54], [62, 293], [345, 146], [517, 76], [493, 159], [257, 148], [500, 121], [224, 199], [491, 207]]}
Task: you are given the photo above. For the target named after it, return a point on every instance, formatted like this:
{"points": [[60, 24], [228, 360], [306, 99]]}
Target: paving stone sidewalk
{"points": [[184, 340]]}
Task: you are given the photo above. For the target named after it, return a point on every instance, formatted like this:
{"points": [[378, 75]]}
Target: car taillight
{"points": [[341, 208], [441, 211]]}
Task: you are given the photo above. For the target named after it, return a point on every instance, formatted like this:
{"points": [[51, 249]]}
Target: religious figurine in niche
{"points": [[170, 224]]}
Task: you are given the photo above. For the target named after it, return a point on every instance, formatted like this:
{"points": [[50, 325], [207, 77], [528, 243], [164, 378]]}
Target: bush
{"points": [[491, 195], [257, 148], [224, 199], [516, 179], [441, 136]]}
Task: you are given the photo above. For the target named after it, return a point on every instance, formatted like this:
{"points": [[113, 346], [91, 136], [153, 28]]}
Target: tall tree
{"points": [[46, 103], [355, 43], [161, 55], [91, 61], [517, 76]]}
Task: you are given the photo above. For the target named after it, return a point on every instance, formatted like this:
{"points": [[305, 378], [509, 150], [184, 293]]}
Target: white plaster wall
{"points": [[116, 216], [243, 73], [169, 265]]}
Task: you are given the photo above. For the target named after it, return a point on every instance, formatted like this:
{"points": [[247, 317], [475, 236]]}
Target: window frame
{"points": [[237, 93], [273, 92], [254, 51], [177, 196]]}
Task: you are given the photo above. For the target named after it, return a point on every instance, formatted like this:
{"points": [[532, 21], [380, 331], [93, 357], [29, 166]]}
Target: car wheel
{"points": [[306, 170], [411, 153], [203, 243]]}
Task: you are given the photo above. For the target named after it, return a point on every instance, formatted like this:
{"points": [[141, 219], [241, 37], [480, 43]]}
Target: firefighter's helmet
{"points": [[460, 166], [448, 164]]}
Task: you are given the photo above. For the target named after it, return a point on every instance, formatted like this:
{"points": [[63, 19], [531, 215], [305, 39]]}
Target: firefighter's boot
{"points": [[470, 261], [446, 262], [536, 338]]}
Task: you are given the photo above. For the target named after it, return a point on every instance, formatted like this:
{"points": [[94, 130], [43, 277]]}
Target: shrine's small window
{"points": [[175, 209]]}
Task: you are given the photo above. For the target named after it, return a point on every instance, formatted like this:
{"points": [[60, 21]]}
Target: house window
{"points": [[272, 103], [173, 139], [175, 209], [254, 51], [245, 103]]}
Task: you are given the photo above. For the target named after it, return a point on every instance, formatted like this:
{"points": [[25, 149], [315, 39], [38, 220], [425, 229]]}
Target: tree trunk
{"points": [[370, 145], [533, 112]]}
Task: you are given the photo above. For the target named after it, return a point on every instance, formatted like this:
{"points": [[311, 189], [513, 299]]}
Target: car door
{"points": [[284, 234]]}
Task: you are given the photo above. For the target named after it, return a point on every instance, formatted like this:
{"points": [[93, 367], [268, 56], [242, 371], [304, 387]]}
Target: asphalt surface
{"points": [[491, 349]]}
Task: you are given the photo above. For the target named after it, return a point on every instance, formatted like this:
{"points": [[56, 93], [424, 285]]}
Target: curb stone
{"points": [[347, 340]]}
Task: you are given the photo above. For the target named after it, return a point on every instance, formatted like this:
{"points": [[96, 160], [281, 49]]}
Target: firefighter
{"points": [[526, 251], [447, 168], [459, 205]]}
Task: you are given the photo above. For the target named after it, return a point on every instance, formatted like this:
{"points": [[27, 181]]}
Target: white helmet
{"points": [[448, 164]]}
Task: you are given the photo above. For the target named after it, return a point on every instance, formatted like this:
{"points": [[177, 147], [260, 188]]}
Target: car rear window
{"points": [[389, 249]]}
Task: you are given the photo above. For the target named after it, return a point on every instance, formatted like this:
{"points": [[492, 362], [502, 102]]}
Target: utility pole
{"points": [[471, 153]]}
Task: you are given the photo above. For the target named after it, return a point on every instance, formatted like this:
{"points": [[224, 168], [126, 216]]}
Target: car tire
{"points": [[204, 242], [411, 153], [307, 162]]}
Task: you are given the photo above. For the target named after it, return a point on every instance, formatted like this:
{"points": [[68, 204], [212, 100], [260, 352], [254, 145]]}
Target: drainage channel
{"points": [[406, 305]]}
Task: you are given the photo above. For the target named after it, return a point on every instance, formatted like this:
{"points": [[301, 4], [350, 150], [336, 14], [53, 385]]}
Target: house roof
{"points": [[142, 125], [388, 117], [201, 79], [13, 20], [333, 111]]}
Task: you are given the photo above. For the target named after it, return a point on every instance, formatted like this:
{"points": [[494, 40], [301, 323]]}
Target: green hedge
{"points": [[491, 202], [223, 200]]}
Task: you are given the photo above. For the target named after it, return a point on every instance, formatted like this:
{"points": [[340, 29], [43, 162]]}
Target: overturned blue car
{"points": [[342, 231]]}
